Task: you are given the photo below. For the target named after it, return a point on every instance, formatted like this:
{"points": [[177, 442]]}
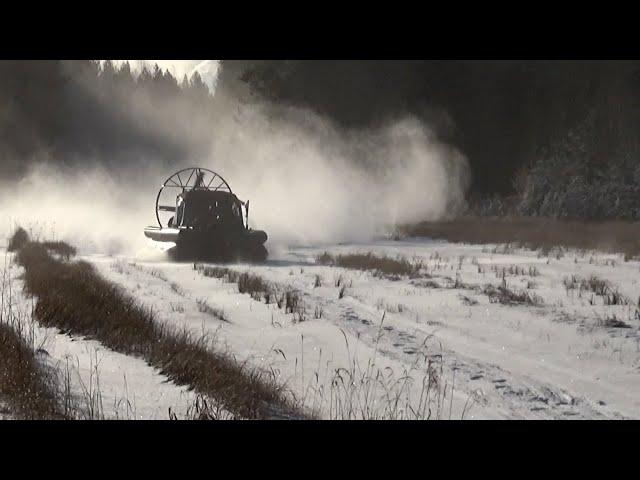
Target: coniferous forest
{"points": [[81, 111], [543, 138]]}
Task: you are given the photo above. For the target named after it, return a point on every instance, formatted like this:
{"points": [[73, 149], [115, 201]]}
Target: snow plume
{"points": [[308, 181], [311, 183], [94, 209]]}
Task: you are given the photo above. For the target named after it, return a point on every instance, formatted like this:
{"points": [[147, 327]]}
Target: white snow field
{"points": [[103, 384], [445, 348]]}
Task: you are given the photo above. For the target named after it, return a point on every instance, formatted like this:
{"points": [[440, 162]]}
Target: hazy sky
{"points": [[208, 69]]}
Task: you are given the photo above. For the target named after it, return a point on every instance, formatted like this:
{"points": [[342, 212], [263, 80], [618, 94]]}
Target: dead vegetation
{"points": [[204, 307], [420, 391], [507, 296], [259, 289], [598, 287], [468, 301], [18, 240], [515, 271], [74, 298], [535, 233], [380, 265], [204, 409], [426, 284], [26, 384], [64, 250], [612, 322], [253, 285]]}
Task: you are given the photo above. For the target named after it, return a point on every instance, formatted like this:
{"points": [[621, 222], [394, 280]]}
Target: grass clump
{"points": [[18, 240], [28, 386], [598, 286], [63, 249], [380, 265], [258, 288], [204, 307], [506, 296]]}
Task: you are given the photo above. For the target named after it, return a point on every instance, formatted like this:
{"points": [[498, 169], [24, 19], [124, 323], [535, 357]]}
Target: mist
{"points": [[92, 208], [308, 180]]}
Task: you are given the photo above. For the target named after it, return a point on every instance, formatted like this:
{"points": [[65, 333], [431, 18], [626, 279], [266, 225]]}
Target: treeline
{"points": [[79, 111], [551, 138], [568, 181]]}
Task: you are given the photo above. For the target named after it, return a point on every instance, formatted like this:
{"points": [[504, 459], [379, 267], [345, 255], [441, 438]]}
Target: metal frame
{"points": [[172, 183]]}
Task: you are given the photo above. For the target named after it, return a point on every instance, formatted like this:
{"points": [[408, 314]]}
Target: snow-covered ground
{"points": [[103, 384], [565, 358], [433, 346]]}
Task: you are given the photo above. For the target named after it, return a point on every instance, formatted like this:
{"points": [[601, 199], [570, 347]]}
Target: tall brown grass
{"points": [[19, 239], [73, 297], [26, 384], [381, 265], [535, 233], [259, 289]]}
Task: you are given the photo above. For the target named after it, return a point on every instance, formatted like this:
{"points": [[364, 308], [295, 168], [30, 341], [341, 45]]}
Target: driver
{"points": [[179, 209]]}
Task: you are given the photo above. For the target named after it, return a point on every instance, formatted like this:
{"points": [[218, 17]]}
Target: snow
{"points": [[369, 354], [504, 361]]}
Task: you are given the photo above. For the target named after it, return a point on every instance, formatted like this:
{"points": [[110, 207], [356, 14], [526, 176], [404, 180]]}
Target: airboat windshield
{"points": [[208, 209]]}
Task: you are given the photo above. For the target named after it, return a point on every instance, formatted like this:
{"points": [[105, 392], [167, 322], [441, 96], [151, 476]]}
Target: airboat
{"points": [[197, 211]]}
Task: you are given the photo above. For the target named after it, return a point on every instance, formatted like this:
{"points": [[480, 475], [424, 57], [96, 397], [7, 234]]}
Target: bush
{"points": [[63, 249], [382, 266], [18, 240]]}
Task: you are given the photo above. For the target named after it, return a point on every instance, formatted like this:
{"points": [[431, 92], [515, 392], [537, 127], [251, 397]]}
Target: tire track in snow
{"points": [[512, 395], [489, 384]]}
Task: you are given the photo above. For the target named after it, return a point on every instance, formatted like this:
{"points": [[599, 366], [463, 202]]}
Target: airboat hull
{"points": [[162, 234], [221, 247], [194, 245]]}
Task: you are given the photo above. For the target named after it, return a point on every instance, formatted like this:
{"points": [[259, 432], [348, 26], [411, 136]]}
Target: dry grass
{"points": [[259, 289], [535, 233], [26, 384], [63, 249], [506, 296], [514, 271], [612, 322], [19, 239], [381, 265], [75, 299], [204, 307], [253, 285], [598, 287], [419, 391]]}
